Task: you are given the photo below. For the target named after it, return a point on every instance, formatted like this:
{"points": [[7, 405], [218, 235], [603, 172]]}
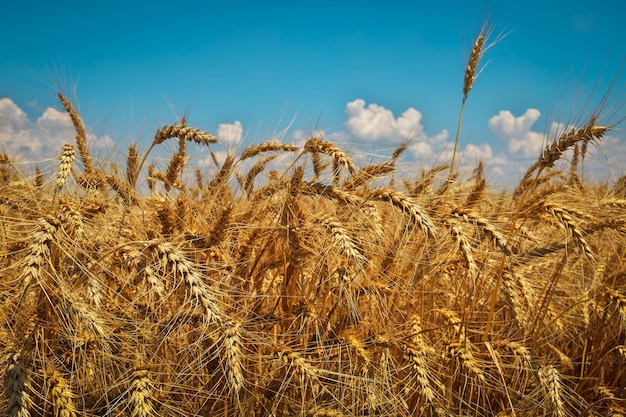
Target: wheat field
{"points": [[323, 287]]}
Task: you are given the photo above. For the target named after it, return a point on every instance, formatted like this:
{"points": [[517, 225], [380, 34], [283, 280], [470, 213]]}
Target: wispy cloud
{"points": [[584, 22]]}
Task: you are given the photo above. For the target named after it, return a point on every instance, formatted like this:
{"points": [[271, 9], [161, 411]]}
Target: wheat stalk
{"points": [[81, 136], [468, 82], [256, 169]]}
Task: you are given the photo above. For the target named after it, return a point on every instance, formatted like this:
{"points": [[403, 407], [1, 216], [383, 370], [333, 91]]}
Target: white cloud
{"points": [[37, 141], [505, 125], [230, 133], [516, 131], [376, 123], [481, 152], [9, 111], [52, 120], [421, 150]]}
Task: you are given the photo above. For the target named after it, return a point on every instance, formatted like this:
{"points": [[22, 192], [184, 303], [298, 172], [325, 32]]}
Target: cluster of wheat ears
{"points": [[322, 289]]}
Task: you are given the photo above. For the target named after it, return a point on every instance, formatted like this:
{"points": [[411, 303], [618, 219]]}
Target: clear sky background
{"points": [[370, 75]]}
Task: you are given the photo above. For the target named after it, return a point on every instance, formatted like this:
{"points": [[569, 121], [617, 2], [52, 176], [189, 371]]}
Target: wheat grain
{"points": [[424, 184], [38, 177], [61, 396], [197, 287], [477, 192], [564, 216], [19, 402], [183, 132], [551, 384], [122, 189], [368, 173], [72, 220], [485, 226], [67, 157], [463, 245], [132, 167], [271, 146], [141, 398], [468, 361], [177, 163], [558, 146], [417, 214], [472, 65], [314, 145], [417, 351], [233, 356], [620, 301], [38, 252], [223, 174], [345, 242]]}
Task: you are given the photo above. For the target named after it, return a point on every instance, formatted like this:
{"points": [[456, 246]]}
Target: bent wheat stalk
{"points": [[558, 146], [180, 131]]}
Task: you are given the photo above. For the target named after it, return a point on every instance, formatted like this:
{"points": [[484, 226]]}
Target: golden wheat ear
{"points": [[81, 136], [180, 131], [555, 149]]}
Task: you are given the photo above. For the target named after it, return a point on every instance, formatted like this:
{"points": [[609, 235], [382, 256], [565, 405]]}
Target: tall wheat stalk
{"points": [[478, 50]]}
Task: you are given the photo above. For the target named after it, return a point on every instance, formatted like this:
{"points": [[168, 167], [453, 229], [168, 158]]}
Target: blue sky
{"points": [[369, 74]]}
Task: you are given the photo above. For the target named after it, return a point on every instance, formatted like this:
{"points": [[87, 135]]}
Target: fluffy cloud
{"points": [[230, 133], [42, 139], [53, 119], [374, 123], [9, 111], [23, 139], [516, 131], [477, 153]]}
